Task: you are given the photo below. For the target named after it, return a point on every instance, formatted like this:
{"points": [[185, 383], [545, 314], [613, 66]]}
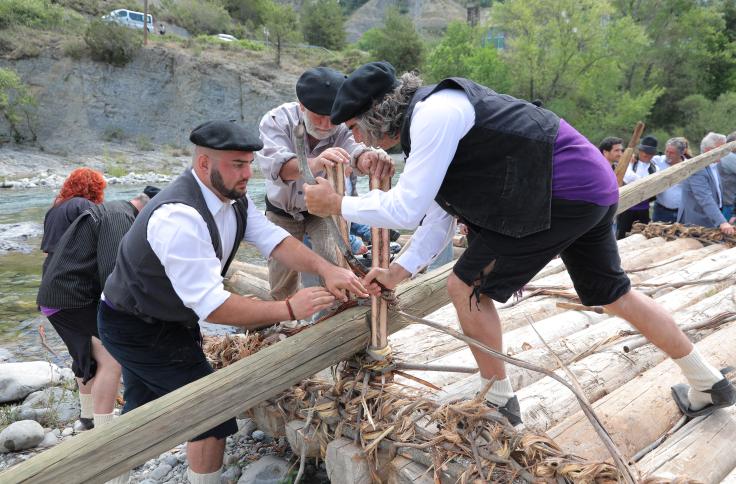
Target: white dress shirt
{"points": [[636, 170], [672, 197], [179, 237], [437, 126]]}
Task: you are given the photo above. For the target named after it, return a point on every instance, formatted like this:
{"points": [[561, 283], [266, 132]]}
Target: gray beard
{"points": [[315, 133]]}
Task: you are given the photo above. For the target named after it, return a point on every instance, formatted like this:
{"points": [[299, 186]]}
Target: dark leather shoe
{"points": [[723, 394], [511, 410]]}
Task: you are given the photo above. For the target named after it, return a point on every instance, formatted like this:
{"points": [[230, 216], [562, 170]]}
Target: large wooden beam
{"points": [[132, 439], [651, 185]]}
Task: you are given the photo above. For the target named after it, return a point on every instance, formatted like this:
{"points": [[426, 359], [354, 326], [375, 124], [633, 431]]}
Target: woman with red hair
{"points": [[82, 188]]}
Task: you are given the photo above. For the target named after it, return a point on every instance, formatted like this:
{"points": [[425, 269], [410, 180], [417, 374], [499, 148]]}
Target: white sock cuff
{"points": [[210, 478], [701, 374], [87, 404], [500, 391], [102, 418]]}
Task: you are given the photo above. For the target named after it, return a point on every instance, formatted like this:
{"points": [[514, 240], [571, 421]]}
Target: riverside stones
{"points": [[51, 405], [18, 380], [268, 469], [21, 435]]}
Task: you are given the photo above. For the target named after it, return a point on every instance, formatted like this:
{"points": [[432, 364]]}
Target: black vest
{"points": [[501, 176], [138, 285]]}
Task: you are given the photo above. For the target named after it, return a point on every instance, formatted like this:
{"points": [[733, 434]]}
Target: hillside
{"points": [[156, 99]]}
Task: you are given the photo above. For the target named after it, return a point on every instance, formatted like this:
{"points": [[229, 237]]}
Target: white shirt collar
{"points": [[214, 204]]}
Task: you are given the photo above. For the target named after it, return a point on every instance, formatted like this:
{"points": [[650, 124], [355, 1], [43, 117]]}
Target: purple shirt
{"points": [[579, 170]]}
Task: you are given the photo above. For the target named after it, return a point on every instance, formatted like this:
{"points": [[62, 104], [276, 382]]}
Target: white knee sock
{"points": [[211, 478], [701, 375], [102, 418], [500, 391], [86, 402]]}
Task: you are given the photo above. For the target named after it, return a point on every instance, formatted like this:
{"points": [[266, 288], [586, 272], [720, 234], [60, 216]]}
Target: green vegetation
{"points": [[323, 24], [397, 42], [198, 16], [283, 26], [112, 43], [16, 105]]}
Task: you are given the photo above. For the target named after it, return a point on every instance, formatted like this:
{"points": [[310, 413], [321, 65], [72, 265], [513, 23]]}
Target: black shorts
{"points": [[156, 359], [76, 328], [581, 233]]}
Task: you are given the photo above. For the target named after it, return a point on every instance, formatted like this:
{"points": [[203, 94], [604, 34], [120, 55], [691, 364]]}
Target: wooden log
{"points": [[405, 471], [651, 185], [151, 429], [640, 411], [244, 283], [673, 263], [336, 177], [702, 449], [623, 163], [570, 347], [261, 272], [546, 402]]}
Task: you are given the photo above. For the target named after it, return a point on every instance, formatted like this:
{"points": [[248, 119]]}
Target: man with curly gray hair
{"points": [[527, 185]]}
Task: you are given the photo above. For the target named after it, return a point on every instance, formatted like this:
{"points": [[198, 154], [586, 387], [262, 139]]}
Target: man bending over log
{"points": [[168, 275], [527, 185]]}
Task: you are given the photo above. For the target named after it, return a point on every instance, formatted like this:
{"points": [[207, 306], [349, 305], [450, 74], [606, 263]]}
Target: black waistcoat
{"points": [[501, 176], [138, 285]]}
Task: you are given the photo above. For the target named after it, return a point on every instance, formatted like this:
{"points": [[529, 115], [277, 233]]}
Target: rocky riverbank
{"points": [[39, 409]]}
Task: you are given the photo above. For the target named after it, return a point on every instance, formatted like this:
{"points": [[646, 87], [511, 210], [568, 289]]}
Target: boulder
{"points": [[268, 469], [55, 405], [18, 380], [21, 435]]}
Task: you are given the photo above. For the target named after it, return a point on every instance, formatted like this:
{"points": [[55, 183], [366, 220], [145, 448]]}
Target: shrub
{"points": [[16, 105], [37, 14], [199, 17], [111, 43], [89, 7], [75, 48]]}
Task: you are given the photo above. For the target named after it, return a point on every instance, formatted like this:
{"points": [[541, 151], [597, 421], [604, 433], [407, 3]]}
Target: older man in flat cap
{"points": [[527, 185], [328, 144], [169, 271]]}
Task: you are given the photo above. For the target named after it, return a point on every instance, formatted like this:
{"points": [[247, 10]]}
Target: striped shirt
{"points": [[85, 256]]}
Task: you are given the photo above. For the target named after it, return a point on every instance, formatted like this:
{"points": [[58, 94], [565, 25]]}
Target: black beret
{"points": [[648, 144], [151, 191], [366, 84], [316, 89], [225, 135]]}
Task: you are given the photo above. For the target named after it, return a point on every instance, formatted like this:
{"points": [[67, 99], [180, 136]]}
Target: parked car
{"points": [[130, 18], [226, 37]]}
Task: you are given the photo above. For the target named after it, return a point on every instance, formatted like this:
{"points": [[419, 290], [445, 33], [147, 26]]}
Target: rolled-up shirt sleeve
{"points": [[261, 232], [180, 239], [277, 144], [434, 233]]}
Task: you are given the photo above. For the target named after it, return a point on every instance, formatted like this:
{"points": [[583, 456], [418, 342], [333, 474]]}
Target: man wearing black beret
{"points": [[328, 144], [169, 271], [527, 185]]}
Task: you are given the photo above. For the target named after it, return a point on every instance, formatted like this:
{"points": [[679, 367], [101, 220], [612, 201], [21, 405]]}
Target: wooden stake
{"points": [[336, 177], [623, 164], [381, 253]]}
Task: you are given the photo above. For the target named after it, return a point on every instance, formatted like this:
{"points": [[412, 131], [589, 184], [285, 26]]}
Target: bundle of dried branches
{"points": [[675, 231], [222, 351], [462, 441]]}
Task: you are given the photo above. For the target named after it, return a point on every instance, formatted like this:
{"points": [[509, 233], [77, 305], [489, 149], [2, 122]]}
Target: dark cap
{"points": [[316, 89], [225, 135], [648, 144], [366, 84], [151, 191]]}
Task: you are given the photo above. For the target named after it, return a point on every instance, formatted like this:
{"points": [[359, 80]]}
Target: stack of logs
{"points": [[630, 388]]}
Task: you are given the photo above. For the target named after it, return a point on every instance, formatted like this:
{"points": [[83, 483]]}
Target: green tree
{"points": [[701, 115], [16, 105], [569, 54], [112, 43], [690, 51], [397, 42], [460, 53], [283, 27], [323, 24]]}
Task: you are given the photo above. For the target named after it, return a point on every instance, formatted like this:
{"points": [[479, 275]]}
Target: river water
{"points": [[21, 228]]}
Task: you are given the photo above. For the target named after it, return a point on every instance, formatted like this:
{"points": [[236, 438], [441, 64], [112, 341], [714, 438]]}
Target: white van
{"points": [[129, 18]]}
